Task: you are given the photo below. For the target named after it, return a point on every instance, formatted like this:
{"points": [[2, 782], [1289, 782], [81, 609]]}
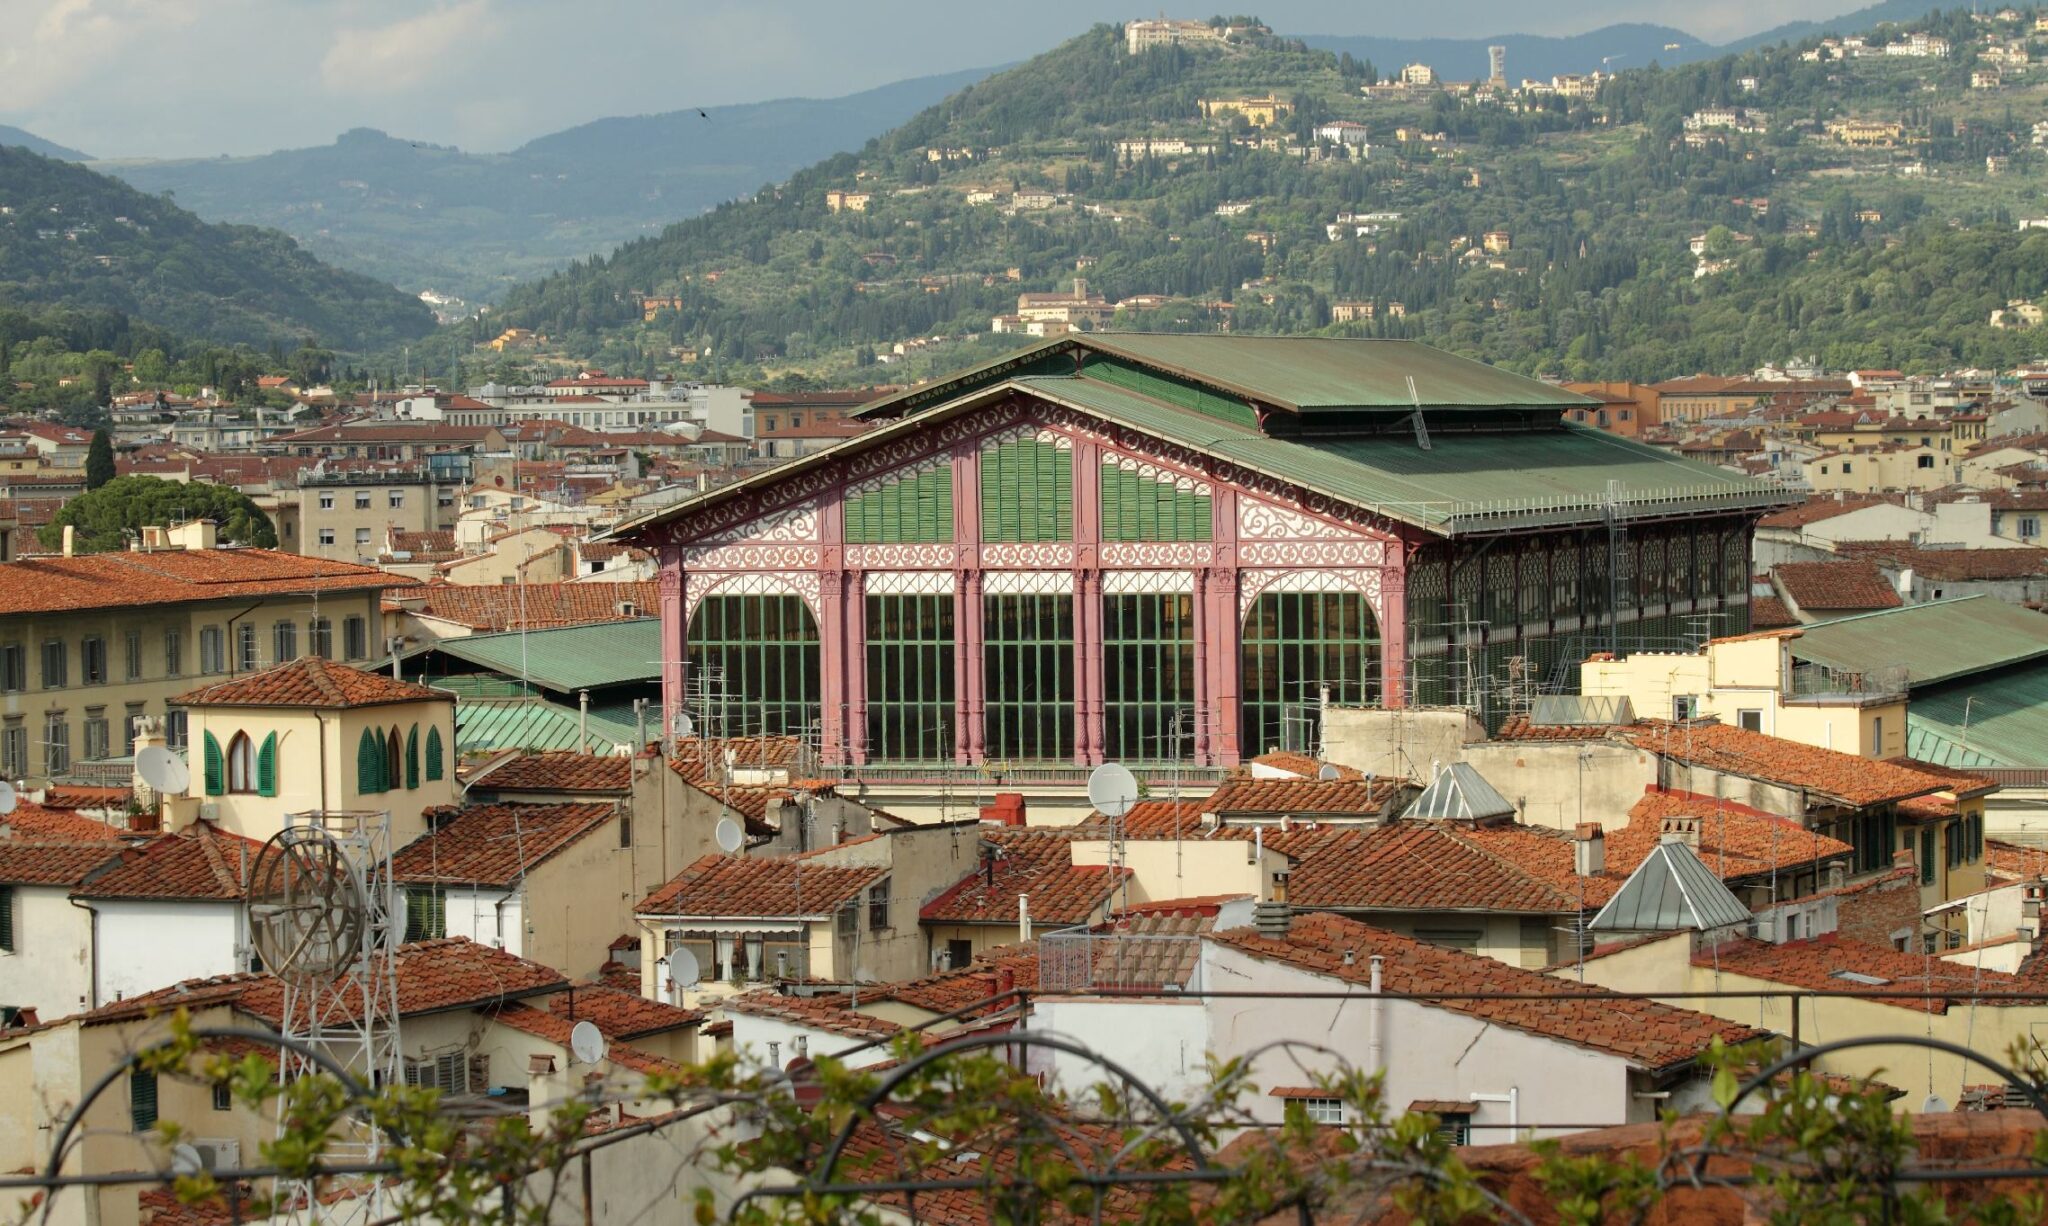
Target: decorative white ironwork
{"points": [[750, 557], [1028, 583], [1032, 430], [1312, 553], [797, 523], [1147, 582], [910, 583], [799, 583], [1157, 553], [1255, 583], [898, 557], [1027, 554], [1153, 472], [907, 472], [1260, 520]]}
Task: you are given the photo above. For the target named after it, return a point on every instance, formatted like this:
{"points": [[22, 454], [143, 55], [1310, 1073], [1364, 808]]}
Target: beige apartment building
{"points": [[345, 516], [92, 643]]}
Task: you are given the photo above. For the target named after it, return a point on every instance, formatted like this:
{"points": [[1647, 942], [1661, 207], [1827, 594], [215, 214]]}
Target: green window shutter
{"points": [[914, 510], [369, 763], [266, 767], [7, 918], [216, 767], [433, 754], [1136, 507], [412, 757], [142, 1099], [1027, 492]]}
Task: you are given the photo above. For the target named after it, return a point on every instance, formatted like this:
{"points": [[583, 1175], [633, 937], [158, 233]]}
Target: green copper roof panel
{"points": [[1320, 372], [1935, 642], [1985, 721], [571, 657], [532, 723]]}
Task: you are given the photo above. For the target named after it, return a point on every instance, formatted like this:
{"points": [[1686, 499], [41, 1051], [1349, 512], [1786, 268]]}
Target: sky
{"points": [[201, 78]]}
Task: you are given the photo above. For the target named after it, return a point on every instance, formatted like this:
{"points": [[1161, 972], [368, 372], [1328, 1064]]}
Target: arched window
{"points": [[754, 660], [216, 766], [433, 754], [412, 757], [394, 760], [1296, 645], [370, 763], [266, 766], [241, 764]]}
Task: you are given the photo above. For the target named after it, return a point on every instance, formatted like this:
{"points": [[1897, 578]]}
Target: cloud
{"points": [[55, 45], [403, 54]]}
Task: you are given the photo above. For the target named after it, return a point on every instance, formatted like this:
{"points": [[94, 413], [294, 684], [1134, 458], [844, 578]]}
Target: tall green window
{"points": [[433, 754], [370, 762], [910, 677], [426, 912], [266, 767], [1148, 676], [216, 767], [1138, 506], [1295, 644], [916, 509], [1027, 492], [753, 666], [412, 757], [1028, 676]]}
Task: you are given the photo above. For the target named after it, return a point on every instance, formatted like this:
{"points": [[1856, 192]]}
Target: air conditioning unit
{"points": [[218, 1154]]}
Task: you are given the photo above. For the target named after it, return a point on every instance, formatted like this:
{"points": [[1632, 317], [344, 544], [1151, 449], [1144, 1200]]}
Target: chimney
{"points": [[1838, 875], [70, 539], [1904, 858], [1008, 810], [1684, 830], [1589, 851], [1272, 916]]}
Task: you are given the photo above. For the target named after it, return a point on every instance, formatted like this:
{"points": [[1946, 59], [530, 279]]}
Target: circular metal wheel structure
{"points": [[307, 913]]}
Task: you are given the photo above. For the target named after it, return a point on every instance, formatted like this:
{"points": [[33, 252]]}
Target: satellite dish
{"points": [[1112, 789], [308, 917], [8, 798], [683, 968], [685, 726], [729, 835], [586, 1043], [185, 1159], [1329, 772], [162, 770]]}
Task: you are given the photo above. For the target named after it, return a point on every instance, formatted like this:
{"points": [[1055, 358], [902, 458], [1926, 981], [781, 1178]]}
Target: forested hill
{"points": [[10, 135], [72, 238], [1628, 244]]}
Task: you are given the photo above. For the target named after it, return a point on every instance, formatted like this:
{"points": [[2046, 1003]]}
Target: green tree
{"points": [[99, 460], [108, 517]]}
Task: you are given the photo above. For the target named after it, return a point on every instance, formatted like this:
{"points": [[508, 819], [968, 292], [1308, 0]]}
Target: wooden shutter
{"points": [[7, 918], [142, 1099], [412, 757], [433, 754], [369, 763], [1140, 507], [1027, 492], [216, 767], [266, 767], [917, 509]]}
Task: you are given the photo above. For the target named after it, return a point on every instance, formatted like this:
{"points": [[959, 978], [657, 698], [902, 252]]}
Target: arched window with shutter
{"points": [[394, 761], [241, 762], [370, 763], [433, 754], [412, 757], [266, 767], [216, 767]]}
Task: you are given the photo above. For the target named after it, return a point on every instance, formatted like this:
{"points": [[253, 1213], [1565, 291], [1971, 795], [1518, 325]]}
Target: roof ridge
{"points": [[1512, 865]]}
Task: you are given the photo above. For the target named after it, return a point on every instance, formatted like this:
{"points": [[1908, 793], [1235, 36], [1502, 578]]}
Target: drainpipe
{"points": [[583, 721], [1023, 917], [1513, 1098], [228, 647], [1375, 1041], [92, 981]]}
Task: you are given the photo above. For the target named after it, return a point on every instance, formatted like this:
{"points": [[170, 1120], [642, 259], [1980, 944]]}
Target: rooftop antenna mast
{"points": [[1421, 426]]}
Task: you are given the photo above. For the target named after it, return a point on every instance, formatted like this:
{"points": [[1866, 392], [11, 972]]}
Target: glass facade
{"points": [[753, 666], [1295, 644], [1028, 677], [910, 678], [1148, 677]]}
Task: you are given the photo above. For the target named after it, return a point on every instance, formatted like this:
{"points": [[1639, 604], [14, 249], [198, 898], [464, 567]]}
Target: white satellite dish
{"points": [[1329, 772], [586, 1043], [683, 968], [163, 770], [185, 1159], [8, 798], [685, 726], [729, 835], [1112, 789]]}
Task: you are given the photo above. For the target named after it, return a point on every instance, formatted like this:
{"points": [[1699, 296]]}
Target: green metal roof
{"points": [[531, 723], [570, 657], [1995, 720], [1935, 642]]}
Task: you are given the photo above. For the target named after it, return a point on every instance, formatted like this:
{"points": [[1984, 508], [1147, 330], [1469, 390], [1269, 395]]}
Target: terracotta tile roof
{"points": [[764, 887], [1816, 509], [515, 606], [200, 863], [1327, 798], [1519, 728], [1840, 777], [310, 681], [1164, 819], [827, 1012], [1835, 585], [559, 770], [1813, 964], [434, 977], [696, 756], [1646, 1034], [494, 845], [558, 1029], [620, 1013], [32, 822], [76, 796], [1735, 840], [1959, 565], [2012, 862], [1039, 866], [1417, 866], [960, 989], [1300, 765], [1770, 613], [122, 580], [431, 541], [35, 863]]}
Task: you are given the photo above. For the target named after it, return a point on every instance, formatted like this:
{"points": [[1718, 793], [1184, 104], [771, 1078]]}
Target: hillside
{"points": [[72, 238], [425, 216], [10, 135], [1889, 253]]}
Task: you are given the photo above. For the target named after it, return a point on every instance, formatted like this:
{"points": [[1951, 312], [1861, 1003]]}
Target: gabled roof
{"points": [[310, 681], [534, 606], [161, 577], [1247, 797], [1671, 890], [1819, 963], [558, 771], [1835, 585], [720, 887], [1646, 1034], [1459, 793], [1935, 642], [620, 1014], [1416, 866], [201, 863], [34, 823], [1735, 841], [494, 845], [38, 863], [1837, 777], [1038, 865]]}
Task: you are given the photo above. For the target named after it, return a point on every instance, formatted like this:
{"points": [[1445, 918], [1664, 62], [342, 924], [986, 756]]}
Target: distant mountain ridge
{"points": [[10, 135], [426, 216]]}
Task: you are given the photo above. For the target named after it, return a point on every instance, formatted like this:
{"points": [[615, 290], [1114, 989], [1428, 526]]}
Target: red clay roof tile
{"points": [[1816, 963], [494, 845], [1841, 777], [32, 822], [1836, 585], [1038, 865], [310, 681], [766, 887], [558, 770], [123, 580], [65, 864], [515, 606], [199, 863]]}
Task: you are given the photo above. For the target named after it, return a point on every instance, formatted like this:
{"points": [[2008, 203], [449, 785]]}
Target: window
{"points": [[412, 758], [396, 498], [625, 830], [959, 954], [1926, 461], [92, 661], [55, 671], [1456, 1129], [320, 638], [223, 1098], [327, 500], [131, 721], [394, 762], [1295, 645], [1750, 719], [434, 754], [1028, 676], [142, 1099], [1624, 414], [285, 638], [95, 733], [134, 656], [451, 1073], [13, 667], [326, 536], [355, 637], [213, 653], [177, 727], [6, 919], [1877, 736], [1148, 674], [56, 744], [846, 922], [426, 913], [2030, 525], [1320, 1110], [247, 659], [765, 652], [14, 748], [370, 762], [1848, 466], [362, 538], [878, 906], [1685, 706], [174, 653], [910, 678], [241, 764], [362, 500]]}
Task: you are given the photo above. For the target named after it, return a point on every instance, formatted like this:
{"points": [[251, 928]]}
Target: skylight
{"points": [[1859, 977]]}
